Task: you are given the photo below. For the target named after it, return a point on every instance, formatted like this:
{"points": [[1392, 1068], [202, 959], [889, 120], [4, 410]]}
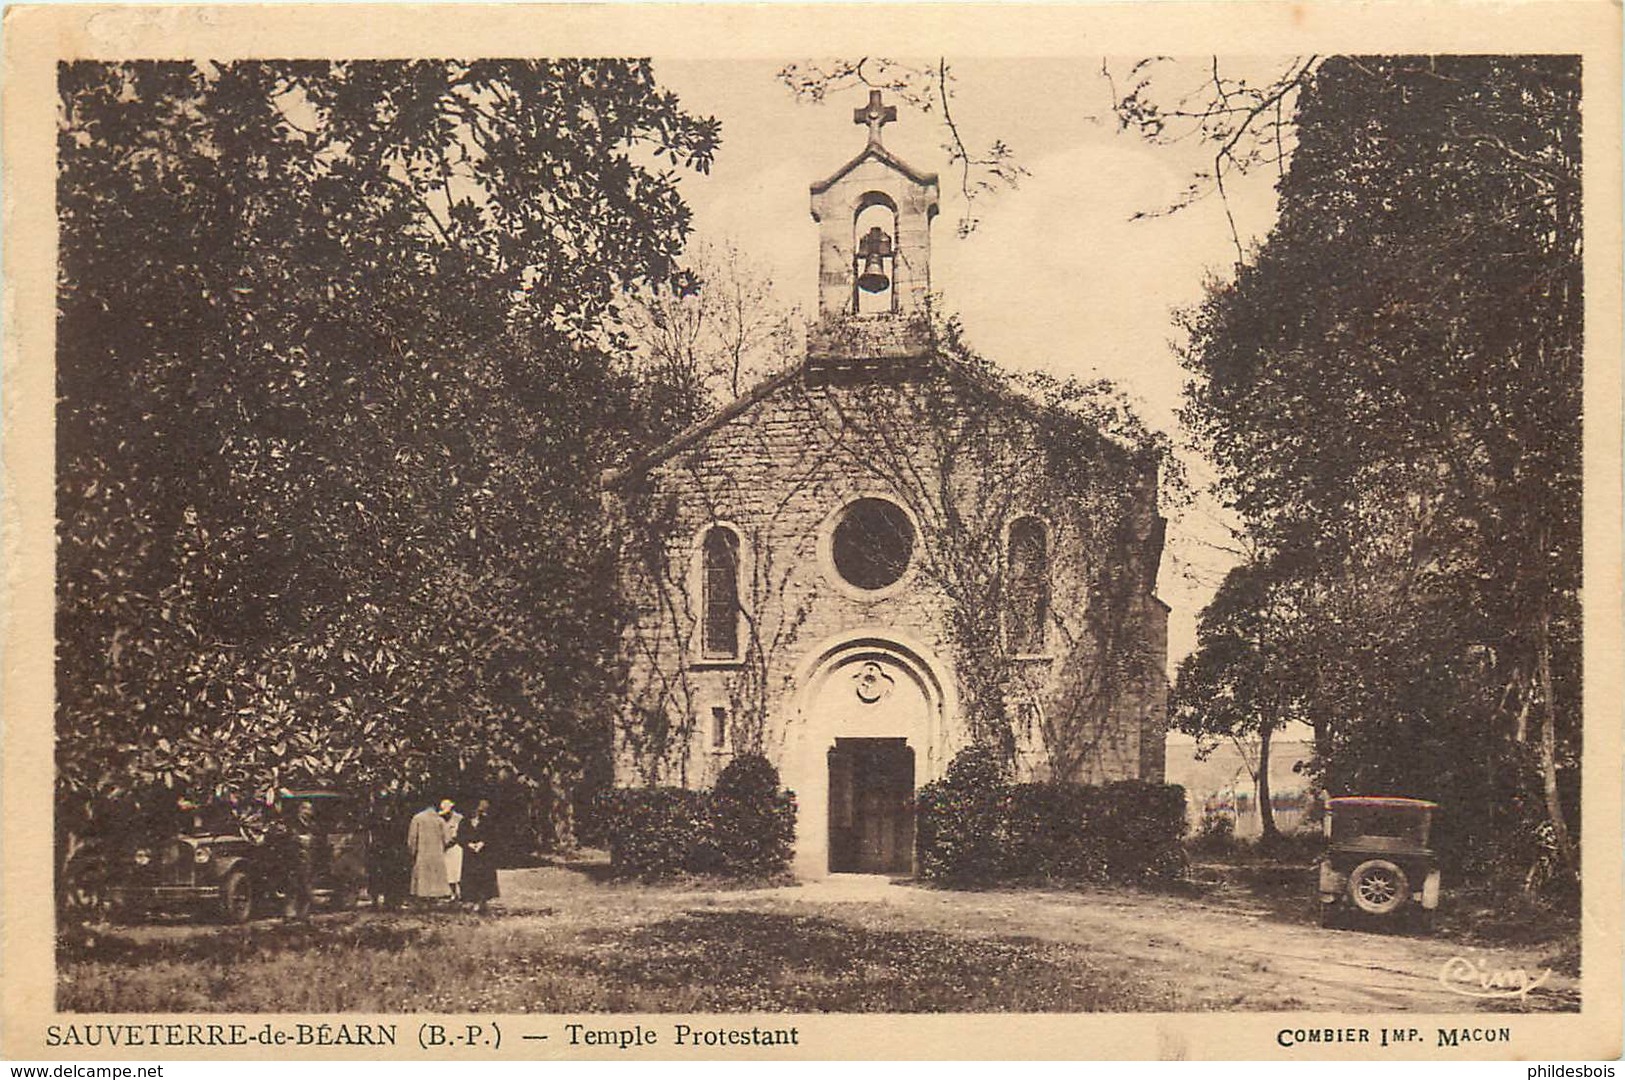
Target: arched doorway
{"points": [[870, 729]]}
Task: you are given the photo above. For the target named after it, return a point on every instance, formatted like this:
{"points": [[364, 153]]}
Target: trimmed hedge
{"points": [[743, 828], [656, 832], [959, 821], [975, 827], [753, 820], [1050, 835], [1142, 824]]}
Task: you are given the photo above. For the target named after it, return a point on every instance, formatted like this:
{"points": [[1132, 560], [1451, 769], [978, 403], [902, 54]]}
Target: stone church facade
{"points": [[883, 554]]}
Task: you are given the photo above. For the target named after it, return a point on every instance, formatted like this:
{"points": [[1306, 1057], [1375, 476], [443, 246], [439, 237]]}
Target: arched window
{"points": [[719, 629], [1027, 589]]}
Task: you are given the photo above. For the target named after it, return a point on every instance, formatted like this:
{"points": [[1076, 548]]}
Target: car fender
{"points": [[1430, 891], [1331, 881], [223, 865]]}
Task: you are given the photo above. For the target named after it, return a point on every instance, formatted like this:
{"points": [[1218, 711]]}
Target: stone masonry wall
{"points": [[778, 472]]}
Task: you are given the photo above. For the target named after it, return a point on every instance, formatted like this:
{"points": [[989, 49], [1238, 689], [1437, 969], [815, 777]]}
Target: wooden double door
{"points": [[871, 806]]}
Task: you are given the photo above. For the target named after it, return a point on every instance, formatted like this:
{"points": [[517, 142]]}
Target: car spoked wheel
{"points": [[1378, 887]]}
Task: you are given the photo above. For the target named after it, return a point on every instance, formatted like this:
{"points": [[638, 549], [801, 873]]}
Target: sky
{"points": [[1057, 275]]}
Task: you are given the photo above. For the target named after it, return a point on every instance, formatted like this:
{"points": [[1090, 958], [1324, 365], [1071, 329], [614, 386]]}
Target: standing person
{"points": [[389, 866], [288, 844], [426, 844], [454, 849], [480, 862], [307, 837]]}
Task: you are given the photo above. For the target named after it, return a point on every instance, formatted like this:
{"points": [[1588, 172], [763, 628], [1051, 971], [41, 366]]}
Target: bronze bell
{"points": [[875, 248]]}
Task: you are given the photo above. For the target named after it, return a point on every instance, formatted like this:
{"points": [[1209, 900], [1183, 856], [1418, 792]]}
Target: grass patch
{"points": [[757, 961], [687, 961], [1488, 915]]}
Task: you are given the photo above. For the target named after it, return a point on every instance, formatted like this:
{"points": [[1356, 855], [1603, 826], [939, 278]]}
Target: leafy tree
{"points": [[1242, 681], [333, 395], [1391, 392]]}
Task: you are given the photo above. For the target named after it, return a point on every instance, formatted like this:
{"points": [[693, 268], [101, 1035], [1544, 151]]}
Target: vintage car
{"points": [[1378, 864], [233, 866]]}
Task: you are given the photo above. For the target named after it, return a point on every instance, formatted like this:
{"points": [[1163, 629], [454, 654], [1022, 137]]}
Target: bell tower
{"points": [[874, 258]]}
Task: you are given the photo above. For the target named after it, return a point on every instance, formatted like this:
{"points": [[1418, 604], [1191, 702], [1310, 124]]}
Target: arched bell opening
{"points": [[874, 259]]}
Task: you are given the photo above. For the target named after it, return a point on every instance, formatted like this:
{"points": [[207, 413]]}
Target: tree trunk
{"points": [[561, 830], [1266, 813], [1320, 716], [1548, 749], [69, 849]]}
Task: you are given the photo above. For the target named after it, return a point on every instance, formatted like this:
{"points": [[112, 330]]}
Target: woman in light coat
{"points": [[426, 841]]}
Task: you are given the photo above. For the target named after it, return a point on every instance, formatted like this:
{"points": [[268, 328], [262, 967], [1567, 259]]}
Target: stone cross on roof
{"points": [[875, 115]]}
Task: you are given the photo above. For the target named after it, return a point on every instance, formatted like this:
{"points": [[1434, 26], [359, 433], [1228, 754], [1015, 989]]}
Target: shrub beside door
{"points": [[976, 827], [743, 828]]}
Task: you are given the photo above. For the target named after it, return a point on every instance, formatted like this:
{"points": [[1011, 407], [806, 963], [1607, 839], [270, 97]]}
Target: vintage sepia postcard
{"points": [[812, 532]]}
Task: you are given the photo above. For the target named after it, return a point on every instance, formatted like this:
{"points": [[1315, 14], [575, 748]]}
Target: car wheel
{"points": [[1379, 887], [237, 897]]}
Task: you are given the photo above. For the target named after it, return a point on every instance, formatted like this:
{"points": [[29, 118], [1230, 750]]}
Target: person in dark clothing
{"points": [[389, 869], [290, 843], [479, 857]]}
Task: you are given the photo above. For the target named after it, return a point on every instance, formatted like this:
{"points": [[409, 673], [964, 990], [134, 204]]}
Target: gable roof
{"points": [[697, 431], [701, 428], [885, 157]]}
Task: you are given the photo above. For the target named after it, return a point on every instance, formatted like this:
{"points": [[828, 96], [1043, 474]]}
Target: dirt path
{"points": [[1215, 956]]}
